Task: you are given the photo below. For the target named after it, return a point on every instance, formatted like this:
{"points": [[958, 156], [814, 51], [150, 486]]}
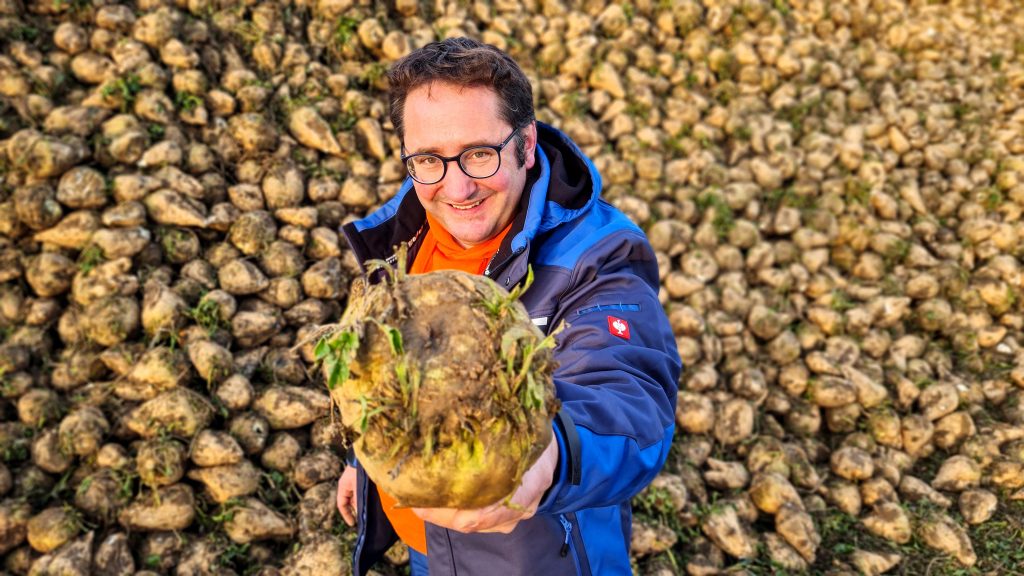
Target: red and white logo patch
{"points": [[618, 327]]}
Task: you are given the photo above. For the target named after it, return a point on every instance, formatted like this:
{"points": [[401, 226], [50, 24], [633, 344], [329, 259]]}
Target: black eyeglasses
{"points": [[475, 162]]}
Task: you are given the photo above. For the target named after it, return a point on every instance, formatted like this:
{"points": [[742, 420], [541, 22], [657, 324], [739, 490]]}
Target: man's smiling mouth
{"points": [[466, 206]]}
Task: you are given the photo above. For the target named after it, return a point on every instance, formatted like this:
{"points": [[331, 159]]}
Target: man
{"points": [[492, 191]]}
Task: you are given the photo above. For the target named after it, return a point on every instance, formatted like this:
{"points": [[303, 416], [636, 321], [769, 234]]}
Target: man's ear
{"points": [[530, 147]]}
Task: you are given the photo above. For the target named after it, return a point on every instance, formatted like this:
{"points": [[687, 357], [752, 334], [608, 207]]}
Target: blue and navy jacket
{"points": [[617, 374]]}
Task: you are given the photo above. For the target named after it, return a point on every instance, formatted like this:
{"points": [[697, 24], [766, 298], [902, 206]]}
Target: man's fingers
{"points": [[432, 515], [345, 506], [501, 516], [505, 528], [347, 515], [346, 496], [458, 520], [494, 518], [342, 496]]}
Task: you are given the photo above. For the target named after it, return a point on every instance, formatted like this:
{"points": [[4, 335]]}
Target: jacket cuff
{"points": [[350, 457], [568, 470]]}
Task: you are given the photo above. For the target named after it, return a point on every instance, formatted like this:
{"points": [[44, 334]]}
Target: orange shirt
{"points": [[439, 251]]}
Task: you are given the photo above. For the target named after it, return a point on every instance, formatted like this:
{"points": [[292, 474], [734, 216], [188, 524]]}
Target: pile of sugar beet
{"points": [[834, 191]]}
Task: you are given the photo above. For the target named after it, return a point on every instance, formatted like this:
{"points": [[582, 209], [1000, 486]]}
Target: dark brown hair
{"points": [[464, 62]]}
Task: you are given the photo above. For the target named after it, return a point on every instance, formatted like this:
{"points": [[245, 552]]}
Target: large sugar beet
{"points": [[447, 383]]}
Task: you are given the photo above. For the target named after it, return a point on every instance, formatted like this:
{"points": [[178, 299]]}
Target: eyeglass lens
{"points": [[475, 162]]}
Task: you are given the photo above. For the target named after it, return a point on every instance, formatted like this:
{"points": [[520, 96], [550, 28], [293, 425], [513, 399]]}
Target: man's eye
{"points": [[480, 154], [425, 160]]}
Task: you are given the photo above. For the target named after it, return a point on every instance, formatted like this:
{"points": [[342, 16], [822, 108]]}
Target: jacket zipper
{"points": [[567, 526], [490, 262], [487, 271]]}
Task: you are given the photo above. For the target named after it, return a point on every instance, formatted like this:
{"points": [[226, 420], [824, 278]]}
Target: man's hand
{"points": [[498, 517], [347, 495]]}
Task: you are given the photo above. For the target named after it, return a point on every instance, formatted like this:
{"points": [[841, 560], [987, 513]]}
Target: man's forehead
{"points": [[440, 88], [429, 87], [441, 114], [438, 97]]}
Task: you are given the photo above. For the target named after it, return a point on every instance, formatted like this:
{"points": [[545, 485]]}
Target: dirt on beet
{"points": [[447, 384]]}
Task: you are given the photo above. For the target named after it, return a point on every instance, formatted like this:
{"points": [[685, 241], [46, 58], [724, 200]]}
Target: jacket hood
{"points": [[567, 185], [562, 185]]}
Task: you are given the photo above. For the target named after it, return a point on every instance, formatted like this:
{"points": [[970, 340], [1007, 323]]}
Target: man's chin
{"points": [[468, 241], [468, 237]]}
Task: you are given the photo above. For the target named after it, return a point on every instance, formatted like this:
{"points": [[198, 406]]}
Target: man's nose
{"points": [[458, 186]]}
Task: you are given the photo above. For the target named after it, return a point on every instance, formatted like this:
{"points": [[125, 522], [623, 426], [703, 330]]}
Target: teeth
{"points": [[467, 207]]}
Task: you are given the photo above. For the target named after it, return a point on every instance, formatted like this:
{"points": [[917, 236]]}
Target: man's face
{"points": [[446, 119]]}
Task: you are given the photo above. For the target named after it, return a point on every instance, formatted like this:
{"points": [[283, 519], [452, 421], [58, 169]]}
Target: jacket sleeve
{"points": [[617, 380]]}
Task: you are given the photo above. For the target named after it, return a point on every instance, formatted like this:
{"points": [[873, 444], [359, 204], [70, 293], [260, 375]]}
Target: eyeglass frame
{"points": [[458, 160]]}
